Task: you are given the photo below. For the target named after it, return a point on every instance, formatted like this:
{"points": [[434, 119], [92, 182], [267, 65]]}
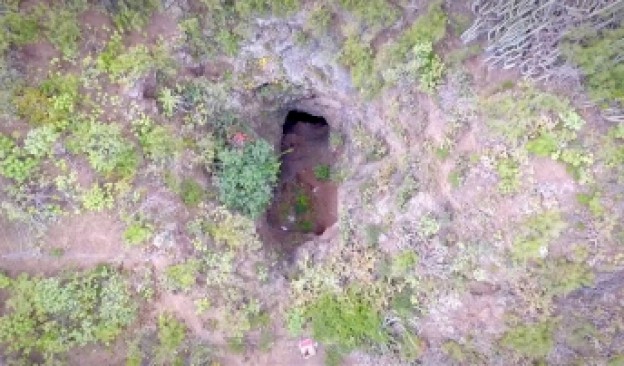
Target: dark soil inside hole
{"points": [[305, 201]]}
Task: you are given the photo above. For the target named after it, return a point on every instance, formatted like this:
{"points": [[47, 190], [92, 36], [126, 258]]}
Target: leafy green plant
{"points": [[428, 226], [51, 103], [358, 57], [593, 202], [429, 28], [98, 198], [50, 316], [227, 228], [158, 143], [15, 163], [192, 192], [168, 101], [171, 335], [532, 340], [509, 173], [319, 19], [604, 75], [18, 29], [561, 277], [40, 141], [375, 13], [106, 149], [246, 177], [124, 65], [347, 320], [424, 67], [182, 276], [138, 233], [536, 233], [62, 30], [133, 14], [322, 172]]}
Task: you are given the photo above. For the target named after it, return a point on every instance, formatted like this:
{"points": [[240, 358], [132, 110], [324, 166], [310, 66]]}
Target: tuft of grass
{"points": [[322, 172], [192, 193]]}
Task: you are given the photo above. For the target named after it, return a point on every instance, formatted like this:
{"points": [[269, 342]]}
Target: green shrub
{"points": [[375, 13], [322, 172], [124, 65], [319, 19], [509, 173], [561, 277], [15, 163], [133, 14], [536, 233], [592, 202], [604, 75], [51, 103], [358, 57], [182, 276], [227, 228], [18, 29], [49, 316], [62, 30], [158, 143], [107, 151], [545, 145], [40, 141], [429, 28], [347, 320], [278, 7], [138, 233], [533, 340], [192, 192], [171, 335], [169, 101], [422, 66], [246, 177], [97, 198]]}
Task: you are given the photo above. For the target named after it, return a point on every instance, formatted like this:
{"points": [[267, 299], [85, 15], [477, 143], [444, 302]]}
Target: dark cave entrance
{"points": [[305, 202]]}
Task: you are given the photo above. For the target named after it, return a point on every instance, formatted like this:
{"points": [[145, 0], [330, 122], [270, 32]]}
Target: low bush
{"points": [[138, 233], [532, 340], [182, 276], [348, 320], [535, 236], [604, 75], [373, 13], [246, 177], [171, 336], [192, 193], [62, 30], [107, 151], [50, 316], [15, 162]]}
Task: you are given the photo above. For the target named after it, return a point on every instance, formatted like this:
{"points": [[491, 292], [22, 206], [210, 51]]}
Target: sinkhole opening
{"points": [[305, 201]]}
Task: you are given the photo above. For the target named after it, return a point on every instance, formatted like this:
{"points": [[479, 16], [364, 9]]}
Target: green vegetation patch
{"points": [[348, 320], [374, 13], [247, 176], [532, 340], [106, 149], [50, 316], [536, 234], [599, 54]]}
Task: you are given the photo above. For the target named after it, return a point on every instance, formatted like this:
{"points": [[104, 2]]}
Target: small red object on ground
{"points": [[239, 139], [307, 347]]}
